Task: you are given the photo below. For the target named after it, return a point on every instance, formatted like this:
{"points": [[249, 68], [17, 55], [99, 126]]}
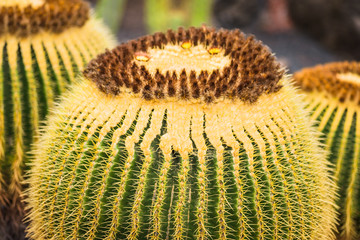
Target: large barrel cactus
{"points": [[333, 96], [43, 45], [191, 134]]}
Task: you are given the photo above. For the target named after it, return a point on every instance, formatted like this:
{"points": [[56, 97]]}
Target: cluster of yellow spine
{"points": [[116, 167], [332, 97], [340, 122], [34, 71], [22, 3]]}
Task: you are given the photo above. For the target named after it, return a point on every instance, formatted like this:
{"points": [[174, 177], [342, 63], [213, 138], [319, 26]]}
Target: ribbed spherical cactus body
{"points": [[43, 46], [194, 134], [333, 96]]}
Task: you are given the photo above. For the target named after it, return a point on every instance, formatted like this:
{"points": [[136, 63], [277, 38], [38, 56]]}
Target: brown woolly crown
{"points": [[24, 19], [198, 63], [339, 79]]}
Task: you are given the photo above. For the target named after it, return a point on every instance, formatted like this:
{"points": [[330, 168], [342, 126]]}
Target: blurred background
{"points": [[300, 32]]}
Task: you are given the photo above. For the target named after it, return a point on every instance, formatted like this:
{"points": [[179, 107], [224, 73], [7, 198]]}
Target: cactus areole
{"points": [[28, 17], [333, 96], [44, 44], [189, 134], [198, 64]]}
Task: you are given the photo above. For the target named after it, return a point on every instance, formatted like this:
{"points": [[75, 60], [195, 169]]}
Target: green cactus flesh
{"points": [[114, 163], [333, 97], [34, 71]]}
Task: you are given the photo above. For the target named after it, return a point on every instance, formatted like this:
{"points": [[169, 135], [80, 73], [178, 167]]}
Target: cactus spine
{"points": [[168, 137], [43, 45], [332, 93]]}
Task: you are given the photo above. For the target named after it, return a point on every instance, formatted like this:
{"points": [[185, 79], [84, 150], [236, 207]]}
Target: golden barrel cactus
{"points": [[188, 134], [333, 96], [43, 46]]}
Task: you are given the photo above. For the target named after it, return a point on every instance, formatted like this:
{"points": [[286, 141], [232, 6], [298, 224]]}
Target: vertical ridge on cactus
{"points": [[332, 93], [43, 46], [192, 134]]}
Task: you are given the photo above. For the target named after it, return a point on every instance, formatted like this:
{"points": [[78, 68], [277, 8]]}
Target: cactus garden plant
{"points": [[333, 96], [43, 45], [188, 134]]}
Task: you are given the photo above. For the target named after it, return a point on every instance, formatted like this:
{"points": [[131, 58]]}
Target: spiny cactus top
{"points": [[43, 45], [192, 134], [28, 17], [193, 64], [333, 95], [340, 81]]}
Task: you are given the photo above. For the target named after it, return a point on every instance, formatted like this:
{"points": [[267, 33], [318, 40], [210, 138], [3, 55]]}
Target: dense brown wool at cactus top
{"points": [[340, 80], [44, 44], [27, 17], [189, 134], [333, 96], [198, 63]]}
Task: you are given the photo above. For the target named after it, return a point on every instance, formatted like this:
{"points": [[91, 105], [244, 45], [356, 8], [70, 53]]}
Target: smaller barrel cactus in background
{"points": [[191, 134], [43, 46], [333, 96]]}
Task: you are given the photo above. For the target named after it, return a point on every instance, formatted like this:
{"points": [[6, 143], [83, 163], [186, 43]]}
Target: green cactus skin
{"points": [[34, 71], [333, 98], [126, 166]]}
